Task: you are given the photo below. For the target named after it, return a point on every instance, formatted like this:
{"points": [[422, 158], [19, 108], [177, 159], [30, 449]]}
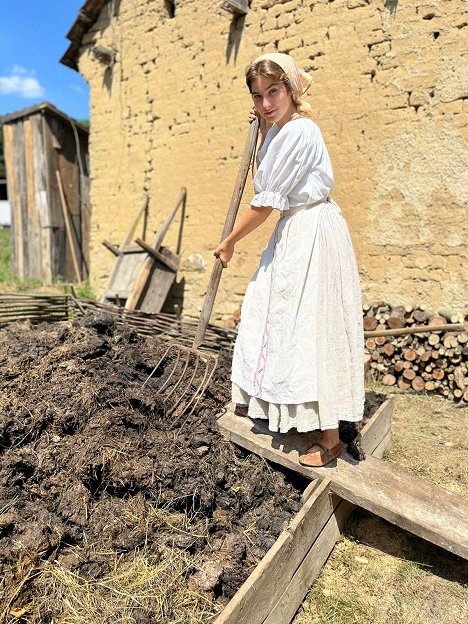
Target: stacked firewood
{"points": [[398, 352]]}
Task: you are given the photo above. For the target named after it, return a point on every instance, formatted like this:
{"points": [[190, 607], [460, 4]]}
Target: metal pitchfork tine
{"points": [[192, 358]]}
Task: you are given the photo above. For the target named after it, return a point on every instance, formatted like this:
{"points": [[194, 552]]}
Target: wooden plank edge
{"points": [[376, 429], [385, 476], [383, 446], [295, 591], [256, 597]]}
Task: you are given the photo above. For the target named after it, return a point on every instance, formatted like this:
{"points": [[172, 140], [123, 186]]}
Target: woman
{"points": [[298, 358]]}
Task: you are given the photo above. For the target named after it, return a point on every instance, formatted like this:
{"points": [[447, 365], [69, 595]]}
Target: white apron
{"points": [[298, 357]]}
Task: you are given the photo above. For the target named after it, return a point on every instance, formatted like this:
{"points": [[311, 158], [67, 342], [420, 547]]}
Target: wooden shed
{"points": [[46, 157]]}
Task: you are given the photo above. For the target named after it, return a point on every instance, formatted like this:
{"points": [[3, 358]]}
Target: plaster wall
{"points": [[389, 96]]}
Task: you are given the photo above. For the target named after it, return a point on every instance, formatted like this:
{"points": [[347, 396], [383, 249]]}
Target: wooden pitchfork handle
{"points": [[228, 227]]}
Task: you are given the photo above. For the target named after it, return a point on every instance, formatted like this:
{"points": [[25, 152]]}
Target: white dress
{"points": [[298, 358]]}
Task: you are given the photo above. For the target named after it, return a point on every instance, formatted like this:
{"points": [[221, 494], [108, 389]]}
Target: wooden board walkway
{"points": [[410, 502], [276, 588]]}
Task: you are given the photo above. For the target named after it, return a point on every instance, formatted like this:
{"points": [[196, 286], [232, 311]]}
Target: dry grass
{"points": [[430, 438], [150, 586], [361, 584], [379, 574]]}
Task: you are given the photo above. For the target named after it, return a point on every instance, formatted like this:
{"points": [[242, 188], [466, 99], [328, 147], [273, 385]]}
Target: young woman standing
{"points": [[298, 358]]}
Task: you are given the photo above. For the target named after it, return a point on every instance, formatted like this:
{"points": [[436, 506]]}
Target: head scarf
{"points": [[299, 80]]}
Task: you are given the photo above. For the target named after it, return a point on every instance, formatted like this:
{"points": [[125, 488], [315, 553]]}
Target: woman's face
{"points": [[272, 100]]}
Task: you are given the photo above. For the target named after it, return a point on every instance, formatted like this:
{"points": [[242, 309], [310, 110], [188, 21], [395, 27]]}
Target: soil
{"points": [[82, 441]]}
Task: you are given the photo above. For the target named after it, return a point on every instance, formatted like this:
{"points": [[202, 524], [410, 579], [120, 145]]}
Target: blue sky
{"points": [[32, 41]]}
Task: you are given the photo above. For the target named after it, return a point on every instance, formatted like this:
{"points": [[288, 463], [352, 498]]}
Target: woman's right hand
{"points": [[264, 126], [253, 115]]}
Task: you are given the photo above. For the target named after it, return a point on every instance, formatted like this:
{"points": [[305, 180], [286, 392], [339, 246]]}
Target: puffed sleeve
{"points": [[288, 159]]}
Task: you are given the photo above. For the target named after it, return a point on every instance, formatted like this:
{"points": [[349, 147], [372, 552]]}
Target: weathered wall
{"points": [[388, 96]]}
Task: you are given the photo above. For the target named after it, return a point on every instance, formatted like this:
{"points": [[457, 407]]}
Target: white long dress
{"points": [[298, 357]]}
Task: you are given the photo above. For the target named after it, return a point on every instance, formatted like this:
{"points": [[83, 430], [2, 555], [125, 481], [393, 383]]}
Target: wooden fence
{"points": [[40, 308]]}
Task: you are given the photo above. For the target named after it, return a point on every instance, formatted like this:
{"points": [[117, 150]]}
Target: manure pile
{"points": [[108, 511]]}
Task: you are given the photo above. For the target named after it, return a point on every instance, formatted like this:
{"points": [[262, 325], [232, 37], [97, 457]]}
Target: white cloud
{"points": [[77, 88], [21, 82]]}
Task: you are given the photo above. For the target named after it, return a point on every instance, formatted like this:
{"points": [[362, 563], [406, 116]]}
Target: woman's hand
{"points": [[224, 251], [263, 127]]}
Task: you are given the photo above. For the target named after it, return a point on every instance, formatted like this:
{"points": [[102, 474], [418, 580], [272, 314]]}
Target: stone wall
{"points": [[389, 98]]}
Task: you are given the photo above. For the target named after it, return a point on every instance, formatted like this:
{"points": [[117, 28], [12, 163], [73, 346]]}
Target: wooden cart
{"points": [[144, 273]]}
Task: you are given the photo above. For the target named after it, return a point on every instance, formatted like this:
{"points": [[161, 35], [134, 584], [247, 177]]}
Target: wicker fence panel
{"points": [[50, 308], [35, 308]]}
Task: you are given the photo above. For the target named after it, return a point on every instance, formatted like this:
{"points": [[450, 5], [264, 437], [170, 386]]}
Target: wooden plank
{"points": [[126, 268], [40, 198], [19, 199], [55, 232], [124, 275], [258, 595], [310, 489], [159, 283], [23, 230], [70, 238], [410, 502], [157, 255], [8, 147], [295, 591], [32, 242], [383, 446], [378, 426]]}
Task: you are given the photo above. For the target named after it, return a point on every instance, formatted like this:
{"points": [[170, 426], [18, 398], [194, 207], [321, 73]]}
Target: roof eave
{"points": [[87, 16]]}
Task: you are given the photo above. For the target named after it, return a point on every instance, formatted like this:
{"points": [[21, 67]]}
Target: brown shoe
{"points": [[241, 410], [326, 455]]}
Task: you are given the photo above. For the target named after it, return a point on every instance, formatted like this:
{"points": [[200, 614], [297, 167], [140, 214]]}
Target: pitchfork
{"points": [[185, 372]]}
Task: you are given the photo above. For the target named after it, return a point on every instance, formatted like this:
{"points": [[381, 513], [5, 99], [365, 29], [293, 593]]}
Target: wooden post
{"points": [[66, 220]]}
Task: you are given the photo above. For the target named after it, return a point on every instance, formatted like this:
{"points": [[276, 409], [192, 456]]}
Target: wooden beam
{"points": [[68, 229], [112, 248], [377, 429], [157, 255], [410, 502], [420, 329], [294, 593]]}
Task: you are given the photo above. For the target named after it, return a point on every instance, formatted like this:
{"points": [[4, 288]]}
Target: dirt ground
{"points": [[107, 507], [379, 574]]}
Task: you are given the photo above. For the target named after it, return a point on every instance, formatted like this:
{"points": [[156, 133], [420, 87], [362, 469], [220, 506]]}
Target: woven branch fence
{"points": [[48, 308]]}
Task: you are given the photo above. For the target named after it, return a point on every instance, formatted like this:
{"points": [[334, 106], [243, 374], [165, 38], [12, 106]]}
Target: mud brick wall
{"points": [[388, 95]]}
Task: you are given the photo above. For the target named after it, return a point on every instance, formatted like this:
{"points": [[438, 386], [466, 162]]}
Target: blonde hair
{"points": [[272, 70]]}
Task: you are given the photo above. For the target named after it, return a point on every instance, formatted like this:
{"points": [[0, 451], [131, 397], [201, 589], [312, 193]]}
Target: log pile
{"points": [[432, 361]]}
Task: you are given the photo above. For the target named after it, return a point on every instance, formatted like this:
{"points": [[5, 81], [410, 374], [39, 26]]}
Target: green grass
{"points": [[10, 283], [86, 291], [406, 570], [6, 274]]}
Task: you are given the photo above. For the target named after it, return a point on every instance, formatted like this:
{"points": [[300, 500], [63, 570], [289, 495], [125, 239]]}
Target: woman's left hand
{"points": [[224, 251]]}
